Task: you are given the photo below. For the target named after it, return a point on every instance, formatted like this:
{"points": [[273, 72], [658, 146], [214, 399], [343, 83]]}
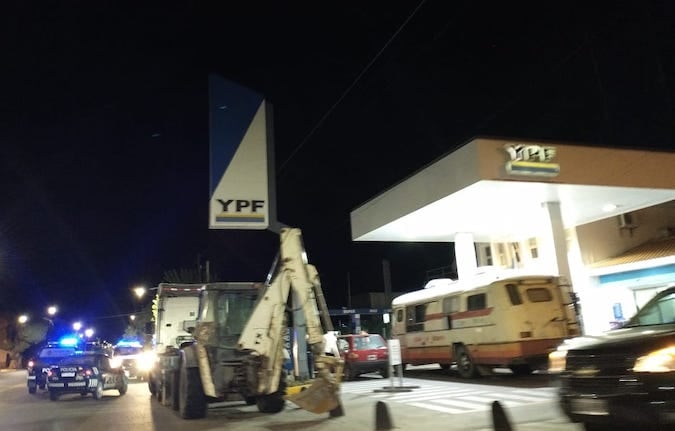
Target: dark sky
{"points": [[104, 125]]}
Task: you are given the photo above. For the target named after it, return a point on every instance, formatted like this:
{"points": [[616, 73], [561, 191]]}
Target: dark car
{"points": [[84, 373], [624, 378], [39, 366], [363, 353]]}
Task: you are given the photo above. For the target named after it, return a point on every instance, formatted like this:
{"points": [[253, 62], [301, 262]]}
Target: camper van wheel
{"points": [[465, 366], [521, 370], [598, 427]]}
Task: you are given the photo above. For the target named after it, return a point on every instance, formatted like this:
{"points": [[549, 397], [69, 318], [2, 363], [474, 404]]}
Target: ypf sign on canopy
{"points": [[241, 158]]}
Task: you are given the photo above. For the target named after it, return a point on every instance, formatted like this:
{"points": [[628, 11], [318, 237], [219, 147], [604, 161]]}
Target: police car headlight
{"points": [[557, 360], [658, 361], [146, 361], [116, 362]]}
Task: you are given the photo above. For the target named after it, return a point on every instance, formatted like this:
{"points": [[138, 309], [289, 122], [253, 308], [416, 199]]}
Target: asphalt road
{"points": [[426, 400]]}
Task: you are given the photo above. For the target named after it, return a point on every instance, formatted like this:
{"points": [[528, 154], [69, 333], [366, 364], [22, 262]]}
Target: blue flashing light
{"points": [[69, 341]]}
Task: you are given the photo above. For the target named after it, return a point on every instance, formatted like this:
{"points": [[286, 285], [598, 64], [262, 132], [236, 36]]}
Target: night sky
{"points": [[104, 124]]}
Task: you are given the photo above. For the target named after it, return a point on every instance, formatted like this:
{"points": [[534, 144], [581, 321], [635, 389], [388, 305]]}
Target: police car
{"points": [[85, 373], [39, 366]]}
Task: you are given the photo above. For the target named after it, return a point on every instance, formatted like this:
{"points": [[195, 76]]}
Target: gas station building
{"points": [[602, 218]]}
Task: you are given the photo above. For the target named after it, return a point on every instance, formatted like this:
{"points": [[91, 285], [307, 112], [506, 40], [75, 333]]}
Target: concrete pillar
{"points": [[465, 255], [557, 250], [558, 247]]}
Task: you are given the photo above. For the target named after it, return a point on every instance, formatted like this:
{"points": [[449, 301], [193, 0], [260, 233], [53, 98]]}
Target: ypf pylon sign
{"points": [[242, 187]]}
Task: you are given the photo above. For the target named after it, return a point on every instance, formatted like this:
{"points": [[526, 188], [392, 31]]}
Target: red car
{"points": [[363, 353]]}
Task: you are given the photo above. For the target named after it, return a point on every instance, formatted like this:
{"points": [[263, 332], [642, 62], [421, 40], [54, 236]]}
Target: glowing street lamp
{"points": [[23, 319], [77, 326], [139, 291], [89, 332], [51, 310], [132, 317]]}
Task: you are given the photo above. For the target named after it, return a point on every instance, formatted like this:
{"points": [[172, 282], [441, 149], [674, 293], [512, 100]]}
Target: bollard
{"points": [[382, 418], [500, 421]]}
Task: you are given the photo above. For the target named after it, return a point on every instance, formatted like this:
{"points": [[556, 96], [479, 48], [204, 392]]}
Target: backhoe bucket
{"points": [[320, 397]]}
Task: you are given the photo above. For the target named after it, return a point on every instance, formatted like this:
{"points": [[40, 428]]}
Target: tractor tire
{"points": [[273, 403], [191, 399], [152, 387]]}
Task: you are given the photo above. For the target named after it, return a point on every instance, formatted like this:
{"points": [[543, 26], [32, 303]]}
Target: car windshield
{"points": [[660, 310], [56, 352], [128, 350], [368, 342], [90, 360]]}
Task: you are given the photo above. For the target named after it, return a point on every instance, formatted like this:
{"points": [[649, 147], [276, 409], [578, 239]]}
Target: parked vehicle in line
{"points": [[362, 354], [133, 358], [624, 378], [234, 347], [85, 373], [38, 367], [497, 319]]}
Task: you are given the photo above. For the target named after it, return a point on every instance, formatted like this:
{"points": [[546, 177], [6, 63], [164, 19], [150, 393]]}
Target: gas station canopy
{"points": [[495, 189]]}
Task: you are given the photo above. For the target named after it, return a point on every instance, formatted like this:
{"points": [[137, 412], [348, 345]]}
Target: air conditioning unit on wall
{"points": [[626, 221]]}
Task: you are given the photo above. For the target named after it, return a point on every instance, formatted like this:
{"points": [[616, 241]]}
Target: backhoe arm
{"points": [[263, 332]]}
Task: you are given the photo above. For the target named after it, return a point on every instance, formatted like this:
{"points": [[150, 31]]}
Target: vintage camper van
{"points": [[493, 320]]}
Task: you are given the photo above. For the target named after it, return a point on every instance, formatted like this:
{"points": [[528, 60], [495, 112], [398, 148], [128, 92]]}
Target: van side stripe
{"points": [[461, 314]]}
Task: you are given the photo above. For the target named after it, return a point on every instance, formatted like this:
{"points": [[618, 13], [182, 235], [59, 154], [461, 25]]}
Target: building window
{"points": [[516, 253], [502, 254], [488, 255], [534, 250]]}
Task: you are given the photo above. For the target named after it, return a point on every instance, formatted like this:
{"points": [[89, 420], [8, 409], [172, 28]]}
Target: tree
{"points": [[16, 338]]}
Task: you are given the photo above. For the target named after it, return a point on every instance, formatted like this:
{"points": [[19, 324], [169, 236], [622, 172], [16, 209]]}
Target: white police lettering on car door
{"points": [[107, 374]]}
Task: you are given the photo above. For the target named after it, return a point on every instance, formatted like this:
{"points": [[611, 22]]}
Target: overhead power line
{"points": [[330, 110]]}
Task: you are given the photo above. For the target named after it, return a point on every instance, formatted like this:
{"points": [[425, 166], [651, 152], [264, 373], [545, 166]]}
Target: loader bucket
{"points": [[320, 397]]}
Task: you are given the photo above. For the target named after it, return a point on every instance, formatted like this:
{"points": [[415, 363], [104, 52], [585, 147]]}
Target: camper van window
{"points": [[514, 294], [451, 304], [416, 315], [539, 294], [476, 302]]}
